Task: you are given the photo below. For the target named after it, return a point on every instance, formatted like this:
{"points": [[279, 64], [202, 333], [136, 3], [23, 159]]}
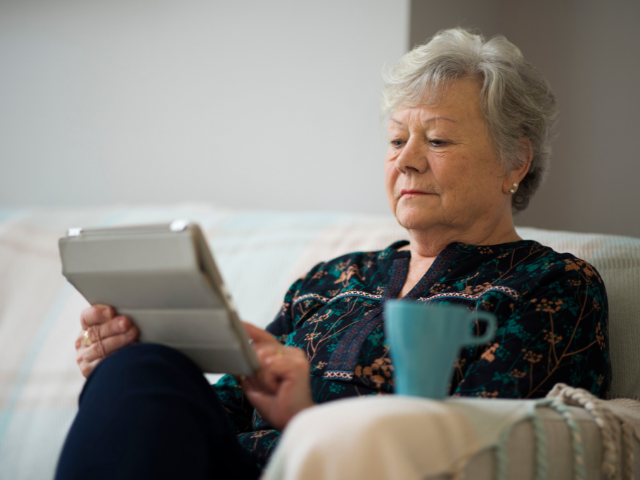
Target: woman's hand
{"points": [[105, 333], [282, 387]]}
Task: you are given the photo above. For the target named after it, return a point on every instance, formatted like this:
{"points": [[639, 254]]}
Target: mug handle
{"points": [[488, 335]]}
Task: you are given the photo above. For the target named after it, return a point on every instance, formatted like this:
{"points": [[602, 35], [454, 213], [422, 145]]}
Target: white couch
{"points": [[259, 254]]}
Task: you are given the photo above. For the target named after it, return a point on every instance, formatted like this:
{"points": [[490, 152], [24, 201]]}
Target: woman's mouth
{"points": [[410, 193]]}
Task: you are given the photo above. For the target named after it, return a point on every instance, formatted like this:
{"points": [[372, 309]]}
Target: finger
{"points": [[104, 347], [252, 385], [96, 315], [87, 368], [259, 399], [107, 346], [288, 360], [80, 340], [243, 380], [116, 326], [263, 351], [294, 363], [261, 380], [265, 354], [259, 335], [264, 380]]}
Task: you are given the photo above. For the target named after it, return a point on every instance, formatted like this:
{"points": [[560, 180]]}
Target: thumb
{"points": [[259, 335]]}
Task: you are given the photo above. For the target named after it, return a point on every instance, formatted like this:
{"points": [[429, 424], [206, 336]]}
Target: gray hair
{"points": [[516, 100]]}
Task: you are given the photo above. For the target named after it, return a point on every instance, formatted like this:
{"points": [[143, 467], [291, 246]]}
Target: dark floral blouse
{"points": [[552, 326]]}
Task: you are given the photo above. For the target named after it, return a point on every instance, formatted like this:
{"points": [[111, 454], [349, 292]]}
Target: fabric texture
{"points": [[400, 437], [619, 422], [146, 412], [375, 438], [617, 259], [552, 326], [40, 381]]}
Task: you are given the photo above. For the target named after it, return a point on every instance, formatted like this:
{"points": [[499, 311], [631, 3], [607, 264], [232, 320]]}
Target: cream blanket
{"points": [[390, 437]]}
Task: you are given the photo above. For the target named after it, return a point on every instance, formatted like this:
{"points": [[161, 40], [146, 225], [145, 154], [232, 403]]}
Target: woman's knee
{"points": [[144, 365]]}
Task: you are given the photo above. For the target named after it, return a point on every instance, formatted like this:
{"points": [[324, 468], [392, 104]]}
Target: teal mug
{"points": [[425, 341]]}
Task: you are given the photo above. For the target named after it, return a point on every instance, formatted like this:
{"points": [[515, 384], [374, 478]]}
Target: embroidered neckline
{"points": [[350, 293], [468, 296]]}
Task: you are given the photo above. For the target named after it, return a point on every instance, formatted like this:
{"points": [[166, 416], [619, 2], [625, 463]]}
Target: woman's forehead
{"points": [[416, 114], [459, 103]]}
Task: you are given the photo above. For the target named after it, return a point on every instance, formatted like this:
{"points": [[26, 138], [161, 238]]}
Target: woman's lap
{"points": [[148, 412]]}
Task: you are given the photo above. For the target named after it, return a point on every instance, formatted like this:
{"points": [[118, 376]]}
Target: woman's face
{"points": [[442, 176]]}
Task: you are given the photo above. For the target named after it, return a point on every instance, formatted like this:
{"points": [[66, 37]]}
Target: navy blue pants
{"points": [[148, 412]]}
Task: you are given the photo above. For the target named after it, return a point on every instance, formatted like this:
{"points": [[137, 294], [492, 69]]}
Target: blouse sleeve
{"points": [[557, 332], [229, 392]]}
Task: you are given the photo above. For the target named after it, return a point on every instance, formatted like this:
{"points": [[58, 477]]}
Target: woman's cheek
{"points": [[391, 177]]}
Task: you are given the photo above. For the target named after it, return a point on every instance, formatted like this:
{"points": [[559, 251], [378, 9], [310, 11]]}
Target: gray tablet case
{"points": [[164, 278]]}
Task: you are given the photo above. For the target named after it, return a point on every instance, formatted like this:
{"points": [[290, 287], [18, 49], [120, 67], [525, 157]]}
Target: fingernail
{"points": [[106, 311], [123, 324]]}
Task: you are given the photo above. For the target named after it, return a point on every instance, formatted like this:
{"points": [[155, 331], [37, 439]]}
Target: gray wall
{"points": [[590, 53], [258, 104], [275, 104]]}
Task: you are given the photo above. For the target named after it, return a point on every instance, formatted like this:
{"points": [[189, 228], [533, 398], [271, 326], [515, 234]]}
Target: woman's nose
{"points": [[412, 159]]}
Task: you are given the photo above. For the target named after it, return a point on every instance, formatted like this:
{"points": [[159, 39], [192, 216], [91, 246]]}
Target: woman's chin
{"points": [[414, 219]]}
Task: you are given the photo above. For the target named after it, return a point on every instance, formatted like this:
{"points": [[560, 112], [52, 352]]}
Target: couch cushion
{"points": [[259, 253], [617, 259]]}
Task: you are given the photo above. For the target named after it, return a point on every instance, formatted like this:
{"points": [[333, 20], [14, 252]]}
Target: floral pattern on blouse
{"points": [[552, 326]]}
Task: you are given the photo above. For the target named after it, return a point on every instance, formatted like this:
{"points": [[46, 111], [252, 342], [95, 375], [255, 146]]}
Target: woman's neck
{"points": [[425, 247], [428, 243]]}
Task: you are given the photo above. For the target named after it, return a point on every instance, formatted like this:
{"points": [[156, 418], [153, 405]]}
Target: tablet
{"points": [[163, 277]]}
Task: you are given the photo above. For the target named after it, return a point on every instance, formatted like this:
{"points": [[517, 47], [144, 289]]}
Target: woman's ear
{"points": [[517, 174]]}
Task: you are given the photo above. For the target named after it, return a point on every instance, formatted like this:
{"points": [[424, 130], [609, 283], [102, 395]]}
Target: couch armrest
{"points": [[401, 437]]}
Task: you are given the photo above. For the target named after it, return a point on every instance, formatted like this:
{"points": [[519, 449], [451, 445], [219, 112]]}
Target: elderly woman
{"points": [[469, 143]]}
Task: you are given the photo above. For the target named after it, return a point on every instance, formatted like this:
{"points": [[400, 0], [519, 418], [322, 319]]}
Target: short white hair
{"points": [[516, 100]]}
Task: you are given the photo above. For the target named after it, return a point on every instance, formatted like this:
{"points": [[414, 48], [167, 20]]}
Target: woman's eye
{"points": [[437, 143], [396, 143]]}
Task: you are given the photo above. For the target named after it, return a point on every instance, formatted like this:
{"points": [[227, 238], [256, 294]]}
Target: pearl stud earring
{"points": [[513, 188]]}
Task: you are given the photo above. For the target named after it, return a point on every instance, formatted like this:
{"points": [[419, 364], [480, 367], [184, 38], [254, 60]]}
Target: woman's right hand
{"points": [[106, 333]]}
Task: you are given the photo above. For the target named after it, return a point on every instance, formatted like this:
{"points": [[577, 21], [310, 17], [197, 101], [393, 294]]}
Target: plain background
{"points": [[275, 105], [589, 51], [245, 104]]}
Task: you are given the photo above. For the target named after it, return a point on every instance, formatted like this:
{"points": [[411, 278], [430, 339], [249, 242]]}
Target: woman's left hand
{"points": [[282, 387]]}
